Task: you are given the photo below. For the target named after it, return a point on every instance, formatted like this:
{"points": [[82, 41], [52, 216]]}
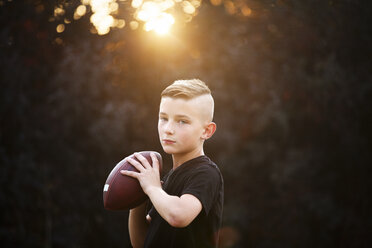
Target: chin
{"points": [[172, 150], [168, 150]]}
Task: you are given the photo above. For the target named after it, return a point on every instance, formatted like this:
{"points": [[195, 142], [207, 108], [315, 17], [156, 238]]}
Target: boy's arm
{"points": [[177, 211], [137, 225]]}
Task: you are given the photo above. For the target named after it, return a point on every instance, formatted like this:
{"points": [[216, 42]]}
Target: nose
{"points": [[169, 128]]}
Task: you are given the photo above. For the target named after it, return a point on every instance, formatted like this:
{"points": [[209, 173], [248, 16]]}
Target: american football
{"points": [[122, 192]]}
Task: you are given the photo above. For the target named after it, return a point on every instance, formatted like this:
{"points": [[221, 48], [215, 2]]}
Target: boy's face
{"points": [[182, 123]]}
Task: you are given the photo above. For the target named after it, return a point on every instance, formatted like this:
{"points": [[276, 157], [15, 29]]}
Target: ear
{"points": [[209, 130]]}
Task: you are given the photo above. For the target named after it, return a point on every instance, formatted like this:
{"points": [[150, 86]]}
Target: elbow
{"points": [[136, 246], [178, 221], [137, 243]]}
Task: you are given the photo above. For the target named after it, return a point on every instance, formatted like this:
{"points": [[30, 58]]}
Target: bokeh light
{"points": [[188, 8], [102, 17], [153, 15], [133, 25], [246, 11], [58, 11], [136, 3], [216, 2], [60, 28], [80, 11]]}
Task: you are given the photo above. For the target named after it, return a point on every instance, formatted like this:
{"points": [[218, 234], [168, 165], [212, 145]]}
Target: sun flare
{"points": [[155, 17], [160, 24]]}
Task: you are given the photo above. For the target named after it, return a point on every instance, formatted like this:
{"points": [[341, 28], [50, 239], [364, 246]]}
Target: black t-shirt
{"points": [[201, 178]]}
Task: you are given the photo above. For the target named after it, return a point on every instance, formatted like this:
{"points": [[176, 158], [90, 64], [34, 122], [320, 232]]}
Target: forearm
{"points": [[137, 225]]}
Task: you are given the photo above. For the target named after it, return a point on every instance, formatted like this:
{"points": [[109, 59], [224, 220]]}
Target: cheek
{"points": [[159, 127], [188, 133]]}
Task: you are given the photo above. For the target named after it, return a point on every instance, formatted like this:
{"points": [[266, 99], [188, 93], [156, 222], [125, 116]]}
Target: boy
{"points": [[187, 208]]}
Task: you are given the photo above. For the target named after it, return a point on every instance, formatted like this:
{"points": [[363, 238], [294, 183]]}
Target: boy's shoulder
{"points": [[202, 161], [199, 165]]}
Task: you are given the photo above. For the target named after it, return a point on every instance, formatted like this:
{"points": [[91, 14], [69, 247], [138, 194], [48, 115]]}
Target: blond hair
{"points": [[187, 89]]}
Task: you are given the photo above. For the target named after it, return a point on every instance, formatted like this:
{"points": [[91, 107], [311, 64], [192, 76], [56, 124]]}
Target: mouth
{"points": [[168, 141]]}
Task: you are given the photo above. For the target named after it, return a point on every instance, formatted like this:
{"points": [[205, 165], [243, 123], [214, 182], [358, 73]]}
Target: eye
{"points": [[183, 122], [161, 118]]}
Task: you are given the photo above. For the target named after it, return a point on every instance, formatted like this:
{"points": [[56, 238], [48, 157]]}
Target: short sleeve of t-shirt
{"points": [[204, 184]]}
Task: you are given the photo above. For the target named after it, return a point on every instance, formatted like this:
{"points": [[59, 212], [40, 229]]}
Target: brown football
{"points": [[123, 192]]}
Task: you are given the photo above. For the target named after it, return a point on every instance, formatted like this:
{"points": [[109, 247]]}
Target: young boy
{"points": [[187, 209]]}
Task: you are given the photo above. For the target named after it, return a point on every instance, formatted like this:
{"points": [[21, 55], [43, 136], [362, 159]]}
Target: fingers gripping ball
{"points": [[123, 192]]}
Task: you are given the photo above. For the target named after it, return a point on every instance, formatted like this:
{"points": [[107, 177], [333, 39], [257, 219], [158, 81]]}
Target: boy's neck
{"points": [[179, 159]]}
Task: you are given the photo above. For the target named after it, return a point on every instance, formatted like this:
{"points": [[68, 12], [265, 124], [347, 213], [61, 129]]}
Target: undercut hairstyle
{"points": [[186, 89]]}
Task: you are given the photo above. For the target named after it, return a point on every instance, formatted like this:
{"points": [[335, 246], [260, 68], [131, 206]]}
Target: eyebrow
{"points": [[183, 116], [177, 116]]}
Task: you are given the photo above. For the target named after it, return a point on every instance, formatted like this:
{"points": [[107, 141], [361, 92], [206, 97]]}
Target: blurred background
{"points": [[80, 84]]}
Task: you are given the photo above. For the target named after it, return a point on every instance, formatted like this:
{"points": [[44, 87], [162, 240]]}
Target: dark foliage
{"points": [[292, 85]]}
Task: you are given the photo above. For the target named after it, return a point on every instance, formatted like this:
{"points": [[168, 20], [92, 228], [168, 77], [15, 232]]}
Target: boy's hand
{"points": [[148, 176]]}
